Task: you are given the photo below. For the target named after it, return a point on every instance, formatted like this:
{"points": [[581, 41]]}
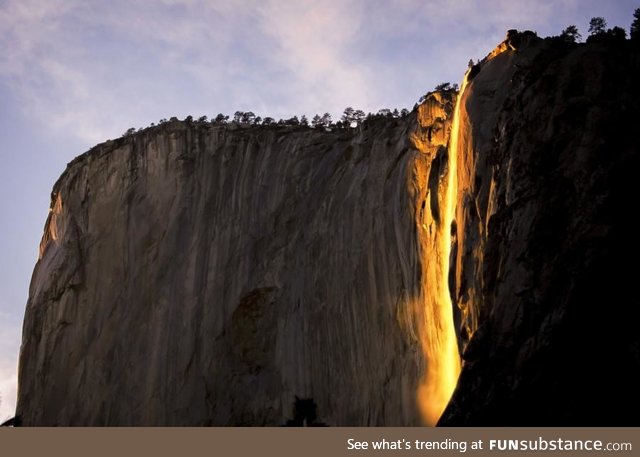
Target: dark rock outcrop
{"points": [[547, 190]]}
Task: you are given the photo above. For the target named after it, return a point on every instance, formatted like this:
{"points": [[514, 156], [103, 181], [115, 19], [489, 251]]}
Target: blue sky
{"points": [[74, 73]]}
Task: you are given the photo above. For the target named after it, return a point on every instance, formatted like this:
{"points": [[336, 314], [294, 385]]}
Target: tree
{"points": [[189, 118], [237, 117], [304, 121], [443, 86], [384, 112], [634, 32], [358, 116], [202, 119], [404, 112], [293, 121], [395, 113], [268, 121], [571, 34], [326, 120], [347, 116], [221, 119], [316, 121], [617, 33], [258, 121], [597, 26], [130, 131], [248, 118]]}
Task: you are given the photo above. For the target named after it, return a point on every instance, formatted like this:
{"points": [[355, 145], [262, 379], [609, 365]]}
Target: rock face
{"points": [[546, 186], [194, 274]]}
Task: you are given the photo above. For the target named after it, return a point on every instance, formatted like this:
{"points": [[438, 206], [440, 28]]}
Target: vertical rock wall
{"points": [[546, 173], [202, 275]]}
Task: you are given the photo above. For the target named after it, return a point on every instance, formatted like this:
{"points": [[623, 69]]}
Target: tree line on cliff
{"points": [[598, 31], [353, 118]]}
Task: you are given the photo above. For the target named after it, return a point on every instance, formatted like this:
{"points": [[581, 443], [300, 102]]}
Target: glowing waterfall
{"points": [[441, 345]]}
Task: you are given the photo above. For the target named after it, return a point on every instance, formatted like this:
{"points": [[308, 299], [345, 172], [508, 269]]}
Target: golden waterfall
{"points": [[440, 344]]}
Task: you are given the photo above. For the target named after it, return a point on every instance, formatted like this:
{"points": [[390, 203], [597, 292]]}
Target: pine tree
{"points": [[635, 25], [597, 26], [571, 34]]}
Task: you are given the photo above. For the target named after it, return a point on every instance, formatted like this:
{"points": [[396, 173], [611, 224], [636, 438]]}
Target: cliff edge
{"points": [[546, 183], [194, 274]]}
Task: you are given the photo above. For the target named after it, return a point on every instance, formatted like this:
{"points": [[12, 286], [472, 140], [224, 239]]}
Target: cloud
{"points": [[91, 71], [312, 42]]}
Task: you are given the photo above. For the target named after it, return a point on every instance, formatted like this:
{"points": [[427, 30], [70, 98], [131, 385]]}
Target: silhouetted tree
{"points": [[304, 121], [395, 113], [248, 118], [404, 112], [384, 112], [443, 86], [130, 131], [347, 116], [634, 32], [202, 119], [188, 118], [326, 120], [237, 117], [293, 121], [316, 121], [571, 34], [358, 116], [268, 121], [597, 26], [258, 121], [221, 119], [617, 33]]}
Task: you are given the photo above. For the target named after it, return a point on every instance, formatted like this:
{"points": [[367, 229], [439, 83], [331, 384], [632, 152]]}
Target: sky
{"points": [[74, 73]]}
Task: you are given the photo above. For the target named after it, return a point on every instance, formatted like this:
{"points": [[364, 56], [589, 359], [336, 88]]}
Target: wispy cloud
{"points": [[312, 44], [94, 69]]}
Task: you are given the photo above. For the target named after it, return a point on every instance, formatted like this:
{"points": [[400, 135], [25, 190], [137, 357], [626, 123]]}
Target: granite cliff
{"points": [[194, 274], [546, 181]]}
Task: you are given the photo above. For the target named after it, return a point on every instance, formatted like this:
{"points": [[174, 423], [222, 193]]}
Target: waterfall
{"points": [[440, 343]]}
